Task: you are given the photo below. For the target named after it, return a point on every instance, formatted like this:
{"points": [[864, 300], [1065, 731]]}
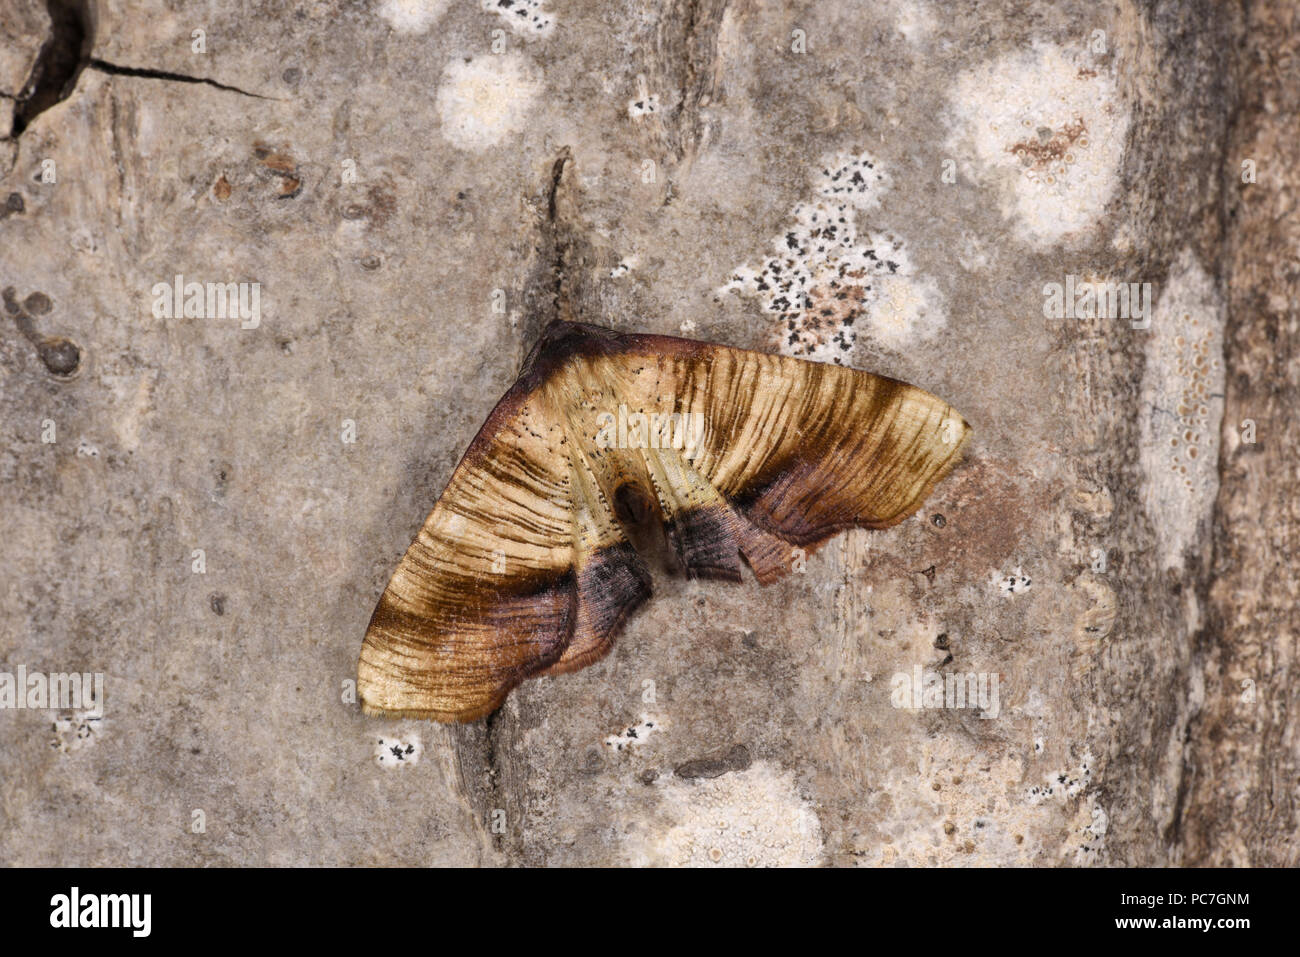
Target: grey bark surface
{"points": [[1111, 549]]}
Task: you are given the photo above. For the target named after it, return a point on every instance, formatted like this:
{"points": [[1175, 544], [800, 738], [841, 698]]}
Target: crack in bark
{"points": [[115, 69], [66, 52], [560, 307], [62, 57], [557, 174], [495, 772], [558, 286], [487, 778]]}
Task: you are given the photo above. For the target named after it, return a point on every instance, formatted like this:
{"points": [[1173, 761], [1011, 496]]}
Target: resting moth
{"points": [[525, 566]]}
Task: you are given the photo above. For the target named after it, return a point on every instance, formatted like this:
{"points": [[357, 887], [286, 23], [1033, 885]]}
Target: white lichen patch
{"points": [[1046, 127], [625, 266], [1064, 783], [86, 450], [635, 734], [855, 180], [398, 752], [412, 16], [643, 105], [75, 730], [1182, 408], [1091, 824], [524, 17], [750, 818], [1017, 583], [828, 279], [485, 100]]}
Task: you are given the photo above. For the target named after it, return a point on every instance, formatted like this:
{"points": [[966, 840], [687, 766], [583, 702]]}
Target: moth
{"points": [[531, 560]]}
